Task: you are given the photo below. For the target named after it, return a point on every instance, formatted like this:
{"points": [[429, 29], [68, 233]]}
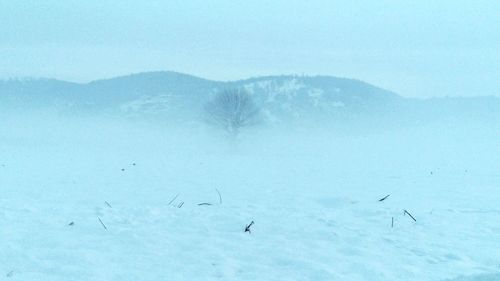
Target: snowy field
{"points": [[111, 199]]}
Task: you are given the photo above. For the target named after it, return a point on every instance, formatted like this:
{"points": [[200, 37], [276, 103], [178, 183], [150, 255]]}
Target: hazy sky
{"points": [[416, 48]]}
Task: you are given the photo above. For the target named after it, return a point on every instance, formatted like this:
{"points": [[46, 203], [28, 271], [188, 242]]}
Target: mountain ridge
{"points": [[280, 97]]}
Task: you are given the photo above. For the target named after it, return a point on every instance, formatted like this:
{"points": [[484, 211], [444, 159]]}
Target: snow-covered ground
{"points": [[313, 195]]}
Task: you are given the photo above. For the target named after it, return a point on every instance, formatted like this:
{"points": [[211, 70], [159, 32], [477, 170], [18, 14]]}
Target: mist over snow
{"points": [[123, 179]]}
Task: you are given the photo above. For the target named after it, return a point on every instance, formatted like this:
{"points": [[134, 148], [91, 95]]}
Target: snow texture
{"points": [[110, 199]]}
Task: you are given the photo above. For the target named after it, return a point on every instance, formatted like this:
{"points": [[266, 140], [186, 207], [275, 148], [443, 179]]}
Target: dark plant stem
{"points": [[247, 228], [173, 199], [220, 197], [387, 196], [406, 212], [103, 225]]}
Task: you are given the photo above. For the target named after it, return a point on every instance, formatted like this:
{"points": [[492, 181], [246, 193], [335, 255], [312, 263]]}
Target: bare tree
{"points": [[231, 110]]}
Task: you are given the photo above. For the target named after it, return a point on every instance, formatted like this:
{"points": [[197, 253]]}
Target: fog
{"points": [[310, 187], [237, 140]]}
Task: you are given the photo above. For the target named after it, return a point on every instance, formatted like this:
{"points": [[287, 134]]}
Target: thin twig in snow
{"points": [[247, 228], [103, 225], [220, 197], [406, 212], [173, 199], [387, 196], [108, 204]]}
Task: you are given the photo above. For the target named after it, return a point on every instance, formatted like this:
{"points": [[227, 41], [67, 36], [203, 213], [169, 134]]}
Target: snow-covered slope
{"points": [[179, 97], [161, 92], [175, 97]]}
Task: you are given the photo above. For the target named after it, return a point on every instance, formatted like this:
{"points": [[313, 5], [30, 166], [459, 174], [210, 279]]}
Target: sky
{"points": [[414, 48]]}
